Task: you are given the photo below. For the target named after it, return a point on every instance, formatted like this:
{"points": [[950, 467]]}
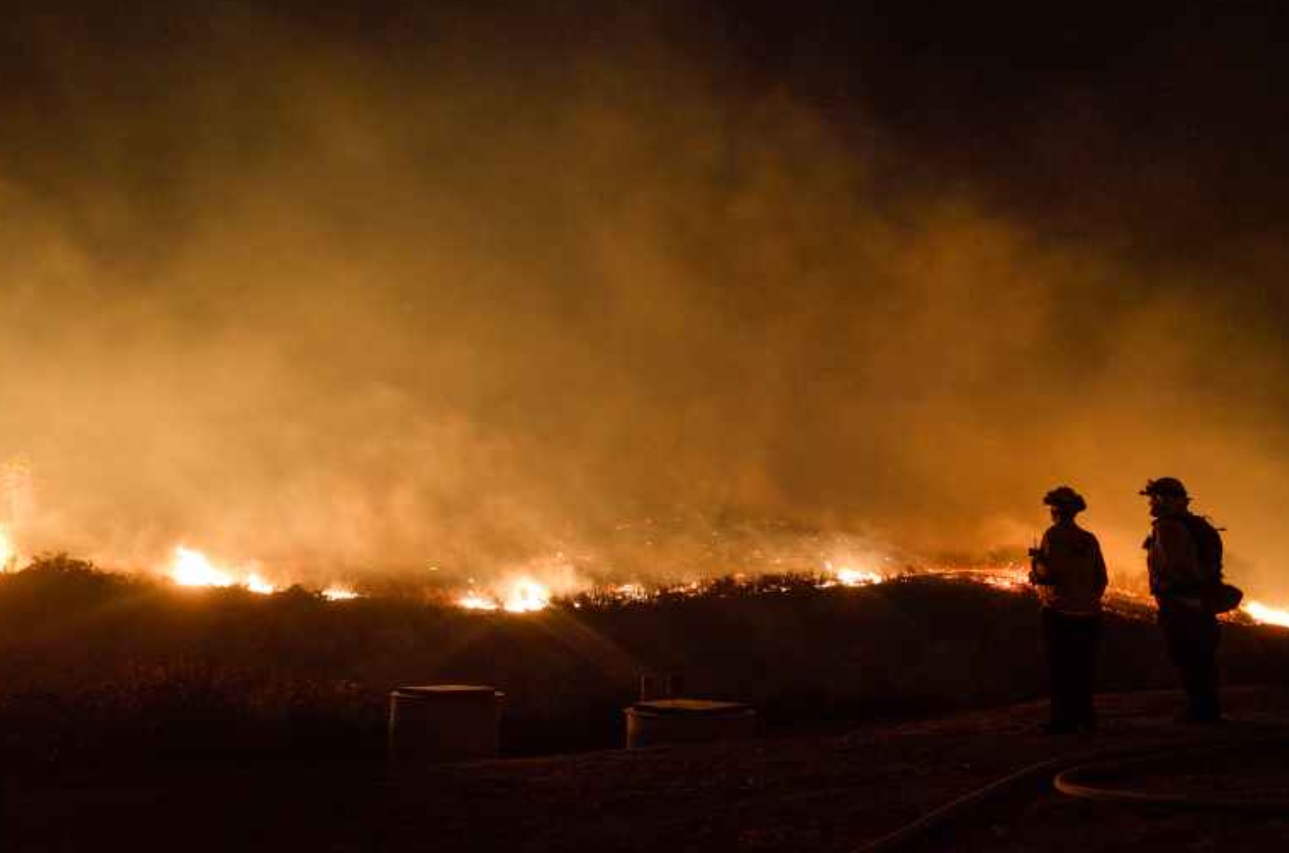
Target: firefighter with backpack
{"points": [[1184, 558]]}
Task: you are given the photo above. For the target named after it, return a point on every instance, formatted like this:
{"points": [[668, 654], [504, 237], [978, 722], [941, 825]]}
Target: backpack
{"points": [[1215, 595], [1208, 546]]}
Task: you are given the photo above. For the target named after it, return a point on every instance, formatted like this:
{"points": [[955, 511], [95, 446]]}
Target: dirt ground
{"points": [[830, 792]]}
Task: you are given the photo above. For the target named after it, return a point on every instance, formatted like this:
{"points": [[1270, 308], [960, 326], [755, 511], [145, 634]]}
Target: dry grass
{"points": [[93, 661]]}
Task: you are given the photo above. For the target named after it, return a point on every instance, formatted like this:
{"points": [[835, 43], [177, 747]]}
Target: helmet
{"points": [[1065, 498], [1165, 487]]}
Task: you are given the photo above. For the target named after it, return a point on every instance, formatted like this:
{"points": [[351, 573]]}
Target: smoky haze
{"points": [[329, 301]]}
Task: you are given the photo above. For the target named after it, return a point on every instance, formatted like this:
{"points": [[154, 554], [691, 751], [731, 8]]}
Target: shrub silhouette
{"points": [[89, 658]]}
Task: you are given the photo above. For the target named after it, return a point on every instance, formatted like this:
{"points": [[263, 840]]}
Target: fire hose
{"points": [[1073, 775]]}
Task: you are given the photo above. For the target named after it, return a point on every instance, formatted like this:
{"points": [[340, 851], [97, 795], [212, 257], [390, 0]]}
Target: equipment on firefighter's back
{"points": [[1221, 597]]}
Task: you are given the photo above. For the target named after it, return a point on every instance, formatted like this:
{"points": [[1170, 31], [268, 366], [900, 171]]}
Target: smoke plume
{"points": [[468, 291]]}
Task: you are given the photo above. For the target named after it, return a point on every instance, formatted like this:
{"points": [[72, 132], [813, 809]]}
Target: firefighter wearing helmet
{"points": [[1070, 575], [1184, 557]]}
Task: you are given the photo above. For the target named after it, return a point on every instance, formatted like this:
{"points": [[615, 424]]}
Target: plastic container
{"points": [[687, 721], [444, 722]]}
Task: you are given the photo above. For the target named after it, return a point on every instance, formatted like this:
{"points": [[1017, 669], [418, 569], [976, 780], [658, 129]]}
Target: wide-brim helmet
{"points": [[1165, 487], [1064, 497]]}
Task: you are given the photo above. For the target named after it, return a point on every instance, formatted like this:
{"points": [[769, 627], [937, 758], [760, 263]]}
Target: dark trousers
{"points": [[1192, 637], [1071, 643]]}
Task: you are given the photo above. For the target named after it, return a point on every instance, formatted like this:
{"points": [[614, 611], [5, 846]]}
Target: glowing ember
{"points": [[631, 592], [339, 593], [1013, 579], [1004, 583], [1267, 615], [527, 595]]}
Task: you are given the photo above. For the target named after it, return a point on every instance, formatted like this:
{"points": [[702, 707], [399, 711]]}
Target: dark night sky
{"points": [[1083, 114]]}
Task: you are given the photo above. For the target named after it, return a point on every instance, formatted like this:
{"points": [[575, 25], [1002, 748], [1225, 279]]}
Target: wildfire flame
{"points": [[255, 583], [857, 577], [8, 554], [475, 601], [193, 568], [1267, 615], [521, 595], [527, 595], [632, 592], [847, 576]]}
